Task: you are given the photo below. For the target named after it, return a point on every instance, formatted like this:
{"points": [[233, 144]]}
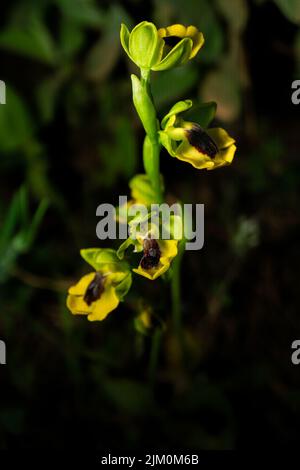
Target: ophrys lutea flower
{"points": [[172, 35], [98, 293], [189, 142], [157, 257], [160, 49]]}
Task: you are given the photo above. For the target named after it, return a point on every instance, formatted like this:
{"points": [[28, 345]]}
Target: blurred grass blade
{"points": [[23, 206], [10, 222], [36, 221]]}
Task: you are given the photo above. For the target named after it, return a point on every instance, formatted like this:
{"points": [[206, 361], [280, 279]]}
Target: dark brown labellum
{"points": [[94, 289], [172, 41], [199, 139], [151, 254]]}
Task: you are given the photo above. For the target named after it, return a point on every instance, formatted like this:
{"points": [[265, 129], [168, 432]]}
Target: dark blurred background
{"points": [[69, 140]]}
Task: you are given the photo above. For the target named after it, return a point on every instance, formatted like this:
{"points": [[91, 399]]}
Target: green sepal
{"points": [[145, 46], [124, 38], [123, 247], [178, 108], [178, 55], [169, 144], [103, 259]]}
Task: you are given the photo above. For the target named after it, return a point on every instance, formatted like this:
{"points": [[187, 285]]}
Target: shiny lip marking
{"points": [[151, 254], [199, 139], [94, 289]]}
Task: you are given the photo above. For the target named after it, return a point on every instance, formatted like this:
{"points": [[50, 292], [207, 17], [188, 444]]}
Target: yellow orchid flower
{"points": [[94, 296], [162, 49], [157, 257], [173, 34], [98, 293], [189, 142]]}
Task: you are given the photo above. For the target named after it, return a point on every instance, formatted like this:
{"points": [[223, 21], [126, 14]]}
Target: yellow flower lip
{"points": [[176, 32], [168, 251], [94, 295]]}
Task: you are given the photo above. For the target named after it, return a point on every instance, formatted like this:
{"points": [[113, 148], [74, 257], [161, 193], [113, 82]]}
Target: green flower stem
{"points": [[145, 81], [176, 293], [151, 154], [152, 147], [154, 355]]}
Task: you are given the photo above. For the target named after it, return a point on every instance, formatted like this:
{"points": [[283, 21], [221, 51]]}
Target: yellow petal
{"points": [[162, 32], [82, 284], [220, 137], [168, 248], [77, 305], [99, 309], [197, 37], [224, 157], [192, 31], [153, 273], [178, 30]]}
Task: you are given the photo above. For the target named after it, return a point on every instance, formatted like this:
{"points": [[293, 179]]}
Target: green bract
{"points": [[144, 107]]}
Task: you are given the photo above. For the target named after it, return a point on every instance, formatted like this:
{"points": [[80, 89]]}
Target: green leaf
{"points": [[34, 41], [47, 93], [71, 39], [96, 68], [202, 114], [290, 8], [82, 12], [104, 54]]}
